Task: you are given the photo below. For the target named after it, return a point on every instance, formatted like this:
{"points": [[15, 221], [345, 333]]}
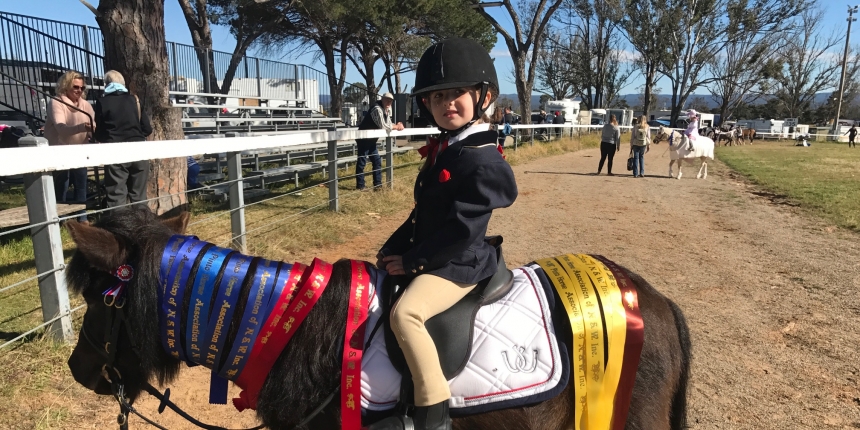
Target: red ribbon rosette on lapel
{"points": [[444, 175]]}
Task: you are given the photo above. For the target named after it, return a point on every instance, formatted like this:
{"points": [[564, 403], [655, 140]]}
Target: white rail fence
{"points": [[36, 161]]}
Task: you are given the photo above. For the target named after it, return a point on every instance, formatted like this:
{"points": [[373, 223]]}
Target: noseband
{"points": [[116, 321]]}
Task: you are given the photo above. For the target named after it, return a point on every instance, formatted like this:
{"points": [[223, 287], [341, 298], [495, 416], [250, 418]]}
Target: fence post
{"points": [[259, 86], [206, 77], [175, 71], [237, 199], [389, 161], [87, 55], [333, 203], [47, 247]]}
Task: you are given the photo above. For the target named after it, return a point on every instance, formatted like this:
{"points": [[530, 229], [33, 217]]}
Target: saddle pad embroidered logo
{"points": [[514, 353]]}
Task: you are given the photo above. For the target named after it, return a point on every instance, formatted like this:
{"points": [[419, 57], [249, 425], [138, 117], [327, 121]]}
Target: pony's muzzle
{"points": [[86, 367]]}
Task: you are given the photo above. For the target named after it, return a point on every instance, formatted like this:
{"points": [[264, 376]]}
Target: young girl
{"points": [[692, 130], [441, 246]]}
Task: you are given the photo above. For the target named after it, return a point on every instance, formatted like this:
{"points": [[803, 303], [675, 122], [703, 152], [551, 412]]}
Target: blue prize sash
{"points": [[174, 293], [197, 321], [254, 316]]}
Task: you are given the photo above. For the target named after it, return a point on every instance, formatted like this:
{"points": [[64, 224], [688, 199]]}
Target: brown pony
{"points": [[309, 369], [748, 133]]}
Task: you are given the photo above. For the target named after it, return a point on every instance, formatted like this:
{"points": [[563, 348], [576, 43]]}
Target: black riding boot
{"points": [[433, 417]]}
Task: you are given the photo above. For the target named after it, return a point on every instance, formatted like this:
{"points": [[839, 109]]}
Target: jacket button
{"points": [[413, 220], [421, 183], [420, 267], [411, 240], [414, 271]]}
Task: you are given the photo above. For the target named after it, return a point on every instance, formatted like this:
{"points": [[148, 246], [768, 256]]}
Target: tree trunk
{"points": [[134, 46], [649, 84], [524, 91]]}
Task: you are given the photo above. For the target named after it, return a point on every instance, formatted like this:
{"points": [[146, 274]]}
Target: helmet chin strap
{"points": [[478, 112]]}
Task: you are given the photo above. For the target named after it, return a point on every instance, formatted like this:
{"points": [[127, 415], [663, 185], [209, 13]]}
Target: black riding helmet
{"points": [[455, 63]]}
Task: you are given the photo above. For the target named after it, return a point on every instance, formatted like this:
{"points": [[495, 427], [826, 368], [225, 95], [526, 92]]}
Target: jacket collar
{"points": [[473, 140]]}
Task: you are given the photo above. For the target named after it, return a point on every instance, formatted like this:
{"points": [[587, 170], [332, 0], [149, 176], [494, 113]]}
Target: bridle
{"points": [[116, 321]]}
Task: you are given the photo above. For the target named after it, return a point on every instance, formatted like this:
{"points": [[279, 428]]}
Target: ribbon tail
{"points": [[243, 402]]}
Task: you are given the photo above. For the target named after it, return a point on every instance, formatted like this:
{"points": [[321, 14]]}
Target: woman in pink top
{"points": [[67, 125]]}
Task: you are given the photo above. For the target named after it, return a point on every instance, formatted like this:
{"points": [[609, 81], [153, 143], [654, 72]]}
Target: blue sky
{"points": [[74, 12]]}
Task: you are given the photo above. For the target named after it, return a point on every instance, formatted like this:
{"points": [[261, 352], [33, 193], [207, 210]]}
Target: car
{"points": [[658, 123], [596, 121]]}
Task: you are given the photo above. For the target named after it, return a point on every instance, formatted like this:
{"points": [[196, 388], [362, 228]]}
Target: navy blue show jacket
{"points": [[444, 234]]}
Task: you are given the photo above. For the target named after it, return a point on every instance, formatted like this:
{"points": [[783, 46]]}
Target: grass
{"points": [[823, 178], [35, 382]]}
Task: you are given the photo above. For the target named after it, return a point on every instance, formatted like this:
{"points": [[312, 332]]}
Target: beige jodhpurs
{"points": [[426, 296]]}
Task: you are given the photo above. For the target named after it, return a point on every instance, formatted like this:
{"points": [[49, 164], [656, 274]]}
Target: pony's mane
{"points": [[305, 373]]}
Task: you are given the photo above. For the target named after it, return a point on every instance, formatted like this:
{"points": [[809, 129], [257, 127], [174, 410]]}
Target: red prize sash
{"points": [[353, 348], [275, 336], [632, 344]]}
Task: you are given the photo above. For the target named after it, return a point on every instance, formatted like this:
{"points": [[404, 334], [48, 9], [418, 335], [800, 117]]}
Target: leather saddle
{"points": [[452, 329]]}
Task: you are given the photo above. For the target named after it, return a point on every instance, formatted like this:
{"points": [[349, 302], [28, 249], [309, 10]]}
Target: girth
{"points": [[452, 329]]}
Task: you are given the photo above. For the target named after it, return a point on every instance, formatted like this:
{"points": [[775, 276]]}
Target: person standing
{"points": [[70, 122], [558, 119], [610, 143], [379, 118], [852, 133], [119, 118], [640, 142]]}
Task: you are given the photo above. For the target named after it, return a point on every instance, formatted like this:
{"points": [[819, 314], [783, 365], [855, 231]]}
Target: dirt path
{"points": [[769, 293]]}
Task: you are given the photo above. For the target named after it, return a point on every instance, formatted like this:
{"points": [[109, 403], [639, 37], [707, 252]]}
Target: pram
{"points": [[802, 139]]}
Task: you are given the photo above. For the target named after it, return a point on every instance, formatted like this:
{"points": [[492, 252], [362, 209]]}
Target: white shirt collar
{"points": [[475, 128]]}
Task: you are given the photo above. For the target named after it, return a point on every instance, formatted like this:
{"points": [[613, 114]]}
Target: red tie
{"points": [[433, 148]]}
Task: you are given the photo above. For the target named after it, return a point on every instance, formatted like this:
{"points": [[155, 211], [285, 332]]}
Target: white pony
{"points": [[703, 148]]}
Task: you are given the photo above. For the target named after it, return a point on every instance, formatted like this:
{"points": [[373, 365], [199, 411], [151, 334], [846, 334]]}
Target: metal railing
{"points": [[38, 51]]}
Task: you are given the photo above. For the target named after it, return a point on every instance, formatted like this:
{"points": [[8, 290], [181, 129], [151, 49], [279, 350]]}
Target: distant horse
{"points": [[310, 366], [748, 133], [729, 136], [703, 148]]}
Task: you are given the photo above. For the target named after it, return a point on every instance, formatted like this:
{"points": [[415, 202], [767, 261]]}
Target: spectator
{"points": [[852, 132], [70, 122], [542, 117], [558, 119], [497, 121], [119, 118], [640, 141], [193, 171], [610, 143], [510, 118], [378, 118]]}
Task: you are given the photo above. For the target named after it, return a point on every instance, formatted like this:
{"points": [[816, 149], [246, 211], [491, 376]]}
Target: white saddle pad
{"points": [[514, 352]]}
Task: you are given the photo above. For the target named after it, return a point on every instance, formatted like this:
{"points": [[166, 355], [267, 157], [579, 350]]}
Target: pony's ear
{"points": [[102, 249], [179, 223]]}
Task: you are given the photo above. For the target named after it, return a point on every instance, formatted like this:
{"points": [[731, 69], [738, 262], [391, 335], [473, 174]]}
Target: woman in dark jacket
{"points": [[610, 143], [119, 118]]}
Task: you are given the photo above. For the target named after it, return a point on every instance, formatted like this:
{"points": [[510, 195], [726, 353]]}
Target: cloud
{"points": [[500, 53]]}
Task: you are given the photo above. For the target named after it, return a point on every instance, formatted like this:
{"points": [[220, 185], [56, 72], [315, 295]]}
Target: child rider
{"points": [[441, 245], [692, 131]]}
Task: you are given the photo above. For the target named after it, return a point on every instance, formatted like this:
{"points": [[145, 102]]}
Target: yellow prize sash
{"points": [[616, 331], [585, 286], [562, 283]]}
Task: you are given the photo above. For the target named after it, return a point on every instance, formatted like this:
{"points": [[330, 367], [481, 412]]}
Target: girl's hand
{"points": [[394, 265]]}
